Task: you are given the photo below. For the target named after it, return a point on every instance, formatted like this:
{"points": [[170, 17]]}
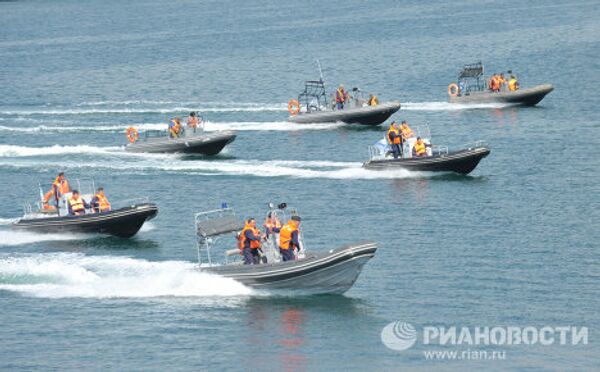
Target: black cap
{"points": [[296, 218]]}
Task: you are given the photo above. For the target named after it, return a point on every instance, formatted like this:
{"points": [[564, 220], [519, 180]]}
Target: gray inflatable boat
{"points": [[526, 97], [470, 87], [367, 115], [333, 271], [314, 105], [204, 143]]}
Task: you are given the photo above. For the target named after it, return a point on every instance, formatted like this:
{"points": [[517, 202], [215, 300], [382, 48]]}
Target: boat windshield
{"points": [[157, 133], [217, 233]]}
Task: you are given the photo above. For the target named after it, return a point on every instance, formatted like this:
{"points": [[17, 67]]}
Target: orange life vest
{"points": [[60, 187], [76, 204], [103, 204], [285, 235], [373, 101], [272, 225], [254, 244], [420, 148], [406, 131], [396, 140], [496, 83]]}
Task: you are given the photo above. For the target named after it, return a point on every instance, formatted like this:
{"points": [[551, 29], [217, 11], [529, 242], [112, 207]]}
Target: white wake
{"points": [[75, 275]]}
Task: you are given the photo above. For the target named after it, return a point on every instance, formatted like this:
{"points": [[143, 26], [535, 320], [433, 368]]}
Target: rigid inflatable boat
{"points": [[201, 142], [331, 271], [123, 222], [437, 159], [471, 88]]}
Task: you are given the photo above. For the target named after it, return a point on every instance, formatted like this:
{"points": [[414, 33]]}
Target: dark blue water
{"points": [[513, 244]]}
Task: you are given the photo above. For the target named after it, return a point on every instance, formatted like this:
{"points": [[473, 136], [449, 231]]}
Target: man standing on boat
{"points": [[341, 96], [250, 241], [395, 140], [60, 186], [193, 121], [289, 238]]}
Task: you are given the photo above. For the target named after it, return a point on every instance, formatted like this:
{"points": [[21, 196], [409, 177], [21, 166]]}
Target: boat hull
{"points": [[526, 97], [207, 143], [368, 115], [331, 272], [123, 222], [462, 162]]}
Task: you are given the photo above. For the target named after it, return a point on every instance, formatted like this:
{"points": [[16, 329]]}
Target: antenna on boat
{"points": [[41, 192], [320, 72]]}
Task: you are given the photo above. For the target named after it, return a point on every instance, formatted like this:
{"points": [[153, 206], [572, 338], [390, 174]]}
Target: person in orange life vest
{"points": [[76, 204], [493, 82], [175, 127], [60, 186], [99, 202], [341, 96], [289, 239], [420, 148], [250, 239], [395, 140], [193, 121], [272, 224], [501, 81]]}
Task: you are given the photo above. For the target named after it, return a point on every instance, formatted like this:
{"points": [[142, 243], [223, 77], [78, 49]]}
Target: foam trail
{"points": [[268, 126], [447, 106], [23, 151], [256, 168], [148, 226], [145, 110], [90, 128], [208, 125], [11, 151], [7, 221], [66, 275], [20, 237]]}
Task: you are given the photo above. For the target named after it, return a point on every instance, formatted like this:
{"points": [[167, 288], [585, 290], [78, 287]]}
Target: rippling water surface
{"points": [[513, 244]]}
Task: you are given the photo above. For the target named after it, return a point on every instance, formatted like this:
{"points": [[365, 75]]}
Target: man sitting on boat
{"points": [[250, 241], [420, 148], [341, 97], [175, 128], [289, 239], [76, 204], [99, 202], [395, 139]]}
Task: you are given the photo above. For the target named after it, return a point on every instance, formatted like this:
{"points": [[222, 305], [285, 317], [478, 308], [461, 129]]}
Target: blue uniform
{"points": [[288, 254], [251, 256]]}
